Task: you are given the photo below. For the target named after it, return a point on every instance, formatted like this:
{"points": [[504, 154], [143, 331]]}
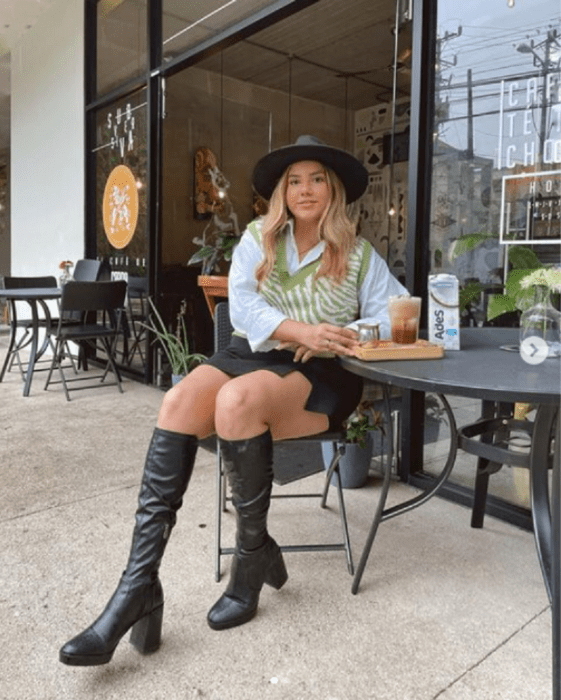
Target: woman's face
{"points": [[307, 191]]}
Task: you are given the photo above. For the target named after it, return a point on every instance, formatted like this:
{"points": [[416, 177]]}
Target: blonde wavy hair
{"points": [[335, 228]]}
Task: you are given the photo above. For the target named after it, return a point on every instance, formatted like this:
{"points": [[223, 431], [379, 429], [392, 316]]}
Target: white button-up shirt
{"points": [[257, 320]]}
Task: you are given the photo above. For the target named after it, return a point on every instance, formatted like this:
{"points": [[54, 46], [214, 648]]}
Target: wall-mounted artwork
{"points": [[205, 194]]}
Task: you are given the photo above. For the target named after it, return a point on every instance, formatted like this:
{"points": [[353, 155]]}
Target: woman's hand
{"points": [[326, 337], [301, 352], [309, 340]]}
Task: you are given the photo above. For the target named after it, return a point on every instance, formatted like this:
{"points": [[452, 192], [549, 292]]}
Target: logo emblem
{"points": [[120, 206]]}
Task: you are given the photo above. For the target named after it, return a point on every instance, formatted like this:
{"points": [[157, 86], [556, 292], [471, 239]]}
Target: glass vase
{"points": [[542, 320], [65, 277]]}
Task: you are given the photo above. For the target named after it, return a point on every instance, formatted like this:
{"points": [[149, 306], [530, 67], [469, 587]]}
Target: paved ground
{"points": [[444, 611]]}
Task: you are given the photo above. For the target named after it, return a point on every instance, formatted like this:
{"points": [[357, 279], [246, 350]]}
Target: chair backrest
{"points": [[93, 296], [87, 270], [137, 286], [29, 282], [223, 328]]}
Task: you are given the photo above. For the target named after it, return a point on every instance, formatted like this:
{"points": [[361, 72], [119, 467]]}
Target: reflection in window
{"points": [[121, 42], [497, 143]]}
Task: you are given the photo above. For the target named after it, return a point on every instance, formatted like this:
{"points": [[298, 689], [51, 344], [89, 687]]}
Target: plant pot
{"points": [[354, 464], [213, 286], [176, 378]]}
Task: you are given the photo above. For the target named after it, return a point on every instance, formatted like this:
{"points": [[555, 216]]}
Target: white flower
{"points": [[549, 277]]}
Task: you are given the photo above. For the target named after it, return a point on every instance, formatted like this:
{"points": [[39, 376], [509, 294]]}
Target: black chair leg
{"points": [[480, 493]]}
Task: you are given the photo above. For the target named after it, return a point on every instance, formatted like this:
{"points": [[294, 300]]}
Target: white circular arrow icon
{"points": [[533, 350]]}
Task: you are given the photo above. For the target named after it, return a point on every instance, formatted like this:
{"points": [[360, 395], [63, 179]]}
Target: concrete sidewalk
{"points": [[444, 611]]}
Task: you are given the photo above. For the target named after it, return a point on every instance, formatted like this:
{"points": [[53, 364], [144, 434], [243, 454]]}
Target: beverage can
{"points": [[444, 311]]}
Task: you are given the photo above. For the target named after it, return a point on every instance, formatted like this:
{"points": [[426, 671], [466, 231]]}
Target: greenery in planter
{"points": [[359, 423], [175, 345], [526, 271], [222, 233], [219, 246]]}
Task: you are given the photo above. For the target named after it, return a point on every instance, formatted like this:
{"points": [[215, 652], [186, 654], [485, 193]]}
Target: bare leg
{"points": [[188, 407], [247, 406]]}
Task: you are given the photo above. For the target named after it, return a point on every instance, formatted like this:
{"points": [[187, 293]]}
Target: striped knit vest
{"points": [[303, 298]]}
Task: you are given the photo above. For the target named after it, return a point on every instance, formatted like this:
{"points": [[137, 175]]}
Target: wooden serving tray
{"points": [[388, 350]]}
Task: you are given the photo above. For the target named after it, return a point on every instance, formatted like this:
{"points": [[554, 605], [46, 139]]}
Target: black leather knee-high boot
{"points": [[257, 559], [138, 601]]}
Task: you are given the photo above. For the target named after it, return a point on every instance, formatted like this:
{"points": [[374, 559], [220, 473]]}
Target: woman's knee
{"points": [[189, 405], [236, 399]]}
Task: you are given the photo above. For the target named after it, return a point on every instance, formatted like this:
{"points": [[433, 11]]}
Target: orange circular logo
{"points": [[120, 206]]}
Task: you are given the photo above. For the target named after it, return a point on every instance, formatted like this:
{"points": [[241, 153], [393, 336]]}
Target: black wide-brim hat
{"points": [[349, 170]]}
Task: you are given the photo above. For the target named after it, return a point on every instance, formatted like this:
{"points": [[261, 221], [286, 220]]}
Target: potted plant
{"points": [[359, 445], [175, 345], [526, 271]]}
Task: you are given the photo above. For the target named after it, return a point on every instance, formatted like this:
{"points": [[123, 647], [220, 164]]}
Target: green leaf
{"points": [[469, 293], [465, 244], [201, 255], [522, 257], [500, 304]]}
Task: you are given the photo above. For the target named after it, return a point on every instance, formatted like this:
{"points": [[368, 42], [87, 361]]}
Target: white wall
{"points": [[47, 142]]}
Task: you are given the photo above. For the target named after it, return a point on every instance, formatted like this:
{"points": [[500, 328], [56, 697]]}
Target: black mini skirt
{"points": [[335, 391]]}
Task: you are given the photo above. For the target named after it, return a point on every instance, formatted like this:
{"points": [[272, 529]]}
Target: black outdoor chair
{"points": [[138, 312], [24, 324], [222, 332], [99, 305], [88, 270]]}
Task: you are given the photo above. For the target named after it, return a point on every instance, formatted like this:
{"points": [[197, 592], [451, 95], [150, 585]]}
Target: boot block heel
{"points": [[277, 574], [146, 634]]}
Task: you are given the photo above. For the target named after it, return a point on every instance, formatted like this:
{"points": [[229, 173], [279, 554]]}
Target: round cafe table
{"points": [[35, 297], [486, 368]]}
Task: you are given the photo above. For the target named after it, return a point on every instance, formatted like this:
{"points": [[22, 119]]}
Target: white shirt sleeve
{"points": [[378, 285], [250, 314]]}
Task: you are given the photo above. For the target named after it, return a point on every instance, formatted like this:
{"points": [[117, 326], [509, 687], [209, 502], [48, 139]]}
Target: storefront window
{"points": [[261, 93], [120, 159], [497, 146], [121, 42], [496, 171]]}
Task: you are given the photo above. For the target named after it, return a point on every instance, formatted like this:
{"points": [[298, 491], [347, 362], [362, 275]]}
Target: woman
{"points": [[299, 277]]}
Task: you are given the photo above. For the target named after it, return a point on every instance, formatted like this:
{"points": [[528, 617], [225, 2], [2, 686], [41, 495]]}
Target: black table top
{"points": [[481, 369], [31, 293]]}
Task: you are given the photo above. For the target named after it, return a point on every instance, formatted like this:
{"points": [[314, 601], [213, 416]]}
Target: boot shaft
{"points": [[167, 471], [249, 467]]}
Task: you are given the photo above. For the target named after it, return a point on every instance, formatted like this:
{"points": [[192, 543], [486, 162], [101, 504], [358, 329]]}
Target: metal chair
{"points": [[87, 298], [138, 312], [88, 270], [222, 333], [15, 346], [497, 439]]}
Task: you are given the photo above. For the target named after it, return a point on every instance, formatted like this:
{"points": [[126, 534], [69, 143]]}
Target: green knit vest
{"points": [[323, 300]]}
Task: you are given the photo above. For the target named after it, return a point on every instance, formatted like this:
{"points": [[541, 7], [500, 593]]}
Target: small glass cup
{"points": [[368, 332], [404, 312]]}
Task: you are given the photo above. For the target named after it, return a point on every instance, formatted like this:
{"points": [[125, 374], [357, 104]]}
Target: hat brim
{"points": [[349, 170]]}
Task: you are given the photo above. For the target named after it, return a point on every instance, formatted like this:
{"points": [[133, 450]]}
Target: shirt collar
{"points": [[292, 248]]}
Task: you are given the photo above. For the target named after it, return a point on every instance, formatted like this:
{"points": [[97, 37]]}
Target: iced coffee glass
{"points": [[404, 312]]}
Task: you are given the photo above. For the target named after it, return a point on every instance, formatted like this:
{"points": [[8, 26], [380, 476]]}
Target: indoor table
{"points": [[487, 368], [35, 297]]}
